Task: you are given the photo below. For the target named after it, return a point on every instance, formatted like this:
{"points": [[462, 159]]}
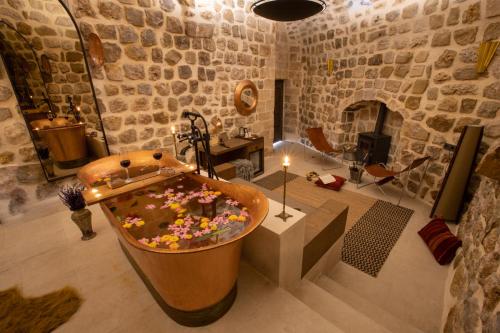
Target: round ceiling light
{"points": [[287, 10]]}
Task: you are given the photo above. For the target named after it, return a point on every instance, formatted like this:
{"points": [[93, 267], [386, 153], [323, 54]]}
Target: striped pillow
{"points": [[439, 239]]}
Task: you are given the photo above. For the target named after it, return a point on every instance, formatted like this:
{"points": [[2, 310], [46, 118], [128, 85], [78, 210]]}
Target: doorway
{"points": [[278, 110]]}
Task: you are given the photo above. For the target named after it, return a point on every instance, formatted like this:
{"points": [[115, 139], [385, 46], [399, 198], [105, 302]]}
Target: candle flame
{"points": [[94, 190], [286, 161], [172, 129]]}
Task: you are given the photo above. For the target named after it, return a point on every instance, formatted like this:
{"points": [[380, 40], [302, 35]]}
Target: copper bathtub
{"points": [[65, 140], [194, 286]]}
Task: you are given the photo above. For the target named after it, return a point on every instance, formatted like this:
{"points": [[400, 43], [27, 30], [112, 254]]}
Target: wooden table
{"points": [[246, 148]]}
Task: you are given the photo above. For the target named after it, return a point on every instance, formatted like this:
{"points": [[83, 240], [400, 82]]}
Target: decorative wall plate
{"points": [[96, 51], [246, 97]]}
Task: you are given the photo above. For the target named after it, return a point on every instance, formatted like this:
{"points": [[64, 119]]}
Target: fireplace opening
{"points": [[373, 128]]}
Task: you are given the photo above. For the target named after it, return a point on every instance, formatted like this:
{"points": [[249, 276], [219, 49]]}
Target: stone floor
{"points": [[45, 253], [410, 285]]}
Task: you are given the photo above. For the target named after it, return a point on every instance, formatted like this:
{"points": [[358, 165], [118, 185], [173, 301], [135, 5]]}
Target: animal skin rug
{"points": [[37, 314]]}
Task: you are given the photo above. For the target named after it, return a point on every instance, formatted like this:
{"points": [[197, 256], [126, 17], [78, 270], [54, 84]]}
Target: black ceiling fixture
{"points": [[287, 10]]}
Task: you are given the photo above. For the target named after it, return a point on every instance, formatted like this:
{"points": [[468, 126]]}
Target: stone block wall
{"points": [[418, 57], [473, 288], [47, 26], [166, 56], [16, 145]]}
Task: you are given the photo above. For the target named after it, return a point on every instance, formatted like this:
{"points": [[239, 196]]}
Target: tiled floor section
{"points": [[44, 254]]}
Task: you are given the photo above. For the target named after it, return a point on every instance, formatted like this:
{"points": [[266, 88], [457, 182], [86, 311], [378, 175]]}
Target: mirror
{"points": [[50, 78], [246, 97]]}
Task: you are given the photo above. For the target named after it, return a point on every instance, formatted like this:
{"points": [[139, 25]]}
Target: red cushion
{"points": [[439, 239], [336, 185]]}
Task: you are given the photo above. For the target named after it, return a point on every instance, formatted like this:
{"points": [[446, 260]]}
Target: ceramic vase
{"points": [[83, 219]]}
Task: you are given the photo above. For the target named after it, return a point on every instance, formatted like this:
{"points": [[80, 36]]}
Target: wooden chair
{"points": [[382, 175], [319, 141]]}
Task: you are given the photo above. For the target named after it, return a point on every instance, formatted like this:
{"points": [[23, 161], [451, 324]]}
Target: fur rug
{"points": [[37, 314]]}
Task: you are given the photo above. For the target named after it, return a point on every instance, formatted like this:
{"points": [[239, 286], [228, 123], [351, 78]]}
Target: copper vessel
{"points": [[193, 286], [65, 140]]}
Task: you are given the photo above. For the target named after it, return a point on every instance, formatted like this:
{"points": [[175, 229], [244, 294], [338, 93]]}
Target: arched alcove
{"points": [[362, 116]]}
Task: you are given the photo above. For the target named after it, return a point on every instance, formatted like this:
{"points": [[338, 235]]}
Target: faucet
{"points": [[72, 109], [46, 100]]}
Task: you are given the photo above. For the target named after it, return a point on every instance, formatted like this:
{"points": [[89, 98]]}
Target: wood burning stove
{"points": [[375, 145]]}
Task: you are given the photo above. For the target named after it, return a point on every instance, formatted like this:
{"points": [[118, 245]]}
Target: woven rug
{"points": [[369, 242], [275, 180]]}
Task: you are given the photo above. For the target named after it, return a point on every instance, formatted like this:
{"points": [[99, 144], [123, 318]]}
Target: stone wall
{"points": [[49, 29], [166, 56], [472, 303], [21, 177], [416, 56], [16, 146]]}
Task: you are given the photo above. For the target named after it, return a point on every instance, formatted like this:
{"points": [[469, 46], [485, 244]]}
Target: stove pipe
{"points": [[379, 125]]}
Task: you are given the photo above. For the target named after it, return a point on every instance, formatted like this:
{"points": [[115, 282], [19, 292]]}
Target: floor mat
{"points": [[369, 242]]}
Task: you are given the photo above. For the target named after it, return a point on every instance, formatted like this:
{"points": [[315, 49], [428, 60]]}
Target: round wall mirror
{"points": [[246, 97]]}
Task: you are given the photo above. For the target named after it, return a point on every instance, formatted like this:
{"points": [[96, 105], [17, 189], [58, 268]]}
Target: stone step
{"points": [[335, 310], [384, 318]]}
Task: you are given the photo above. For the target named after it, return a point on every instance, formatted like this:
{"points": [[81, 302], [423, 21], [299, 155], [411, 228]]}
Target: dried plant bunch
{"points": [[71, 196]]}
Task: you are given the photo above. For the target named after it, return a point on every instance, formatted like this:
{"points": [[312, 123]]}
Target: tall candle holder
{"points": [[172, 130], [284, 215]]}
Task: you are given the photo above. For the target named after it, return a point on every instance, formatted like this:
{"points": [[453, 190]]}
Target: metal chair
{"points": [[382, 175], [319, 141]]}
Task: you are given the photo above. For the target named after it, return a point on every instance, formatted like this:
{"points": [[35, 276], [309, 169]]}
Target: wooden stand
{"points": [[236, 148]]}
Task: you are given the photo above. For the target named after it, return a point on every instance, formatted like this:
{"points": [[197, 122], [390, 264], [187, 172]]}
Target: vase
{"points": [[83, 219], [355, 173]]}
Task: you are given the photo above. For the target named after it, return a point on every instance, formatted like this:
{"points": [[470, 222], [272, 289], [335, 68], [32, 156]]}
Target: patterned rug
{"points": [[368, 244], [275, 180]]}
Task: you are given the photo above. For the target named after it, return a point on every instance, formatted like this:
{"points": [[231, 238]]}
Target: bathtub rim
{"points": [[263, 211]]}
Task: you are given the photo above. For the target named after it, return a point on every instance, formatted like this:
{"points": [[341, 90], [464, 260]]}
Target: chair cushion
{"points": [[440, 241], [336, 185]]}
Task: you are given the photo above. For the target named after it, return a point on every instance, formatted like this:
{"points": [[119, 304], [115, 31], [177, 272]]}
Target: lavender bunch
{"points": [[71, 196]]}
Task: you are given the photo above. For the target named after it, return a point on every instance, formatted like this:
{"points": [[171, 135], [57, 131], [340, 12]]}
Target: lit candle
{"points": [[78, 109], [172, 129], [94, 190], [97, 195], [286, 161]]}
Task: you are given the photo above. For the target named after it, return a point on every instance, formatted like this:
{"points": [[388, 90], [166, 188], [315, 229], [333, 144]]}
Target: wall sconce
{"points": [[486, 52], [330, 66]]}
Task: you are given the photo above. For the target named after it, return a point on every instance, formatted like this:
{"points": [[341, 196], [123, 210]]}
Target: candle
{"points": [[286, 161], [172, 129], [94, 190]]}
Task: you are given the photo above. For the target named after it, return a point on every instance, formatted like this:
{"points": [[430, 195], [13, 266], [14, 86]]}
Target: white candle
{"points": [[94, 190], [286, 161], [172, 129]]}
